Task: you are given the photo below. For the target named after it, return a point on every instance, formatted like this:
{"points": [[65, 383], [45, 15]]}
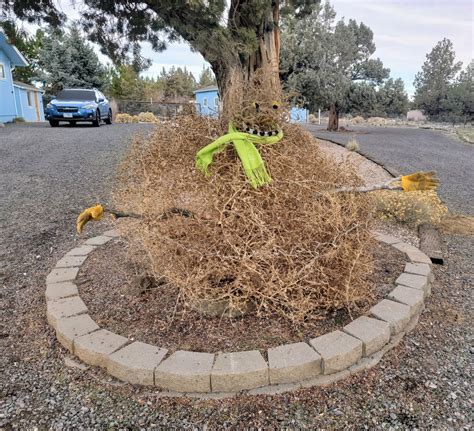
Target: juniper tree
{"points": [[320, 59], [437, 74], [237, 38]]}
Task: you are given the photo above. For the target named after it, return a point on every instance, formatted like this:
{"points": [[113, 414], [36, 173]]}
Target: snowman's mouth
{"points": [[257, 132]]}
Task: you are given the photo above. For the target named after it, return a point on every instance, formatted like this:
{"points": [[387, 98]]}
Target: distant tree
{"points": [[177, 83], [29, 46], [206, 78], [67, 60], [361, 99], [125, 83], [432, 83], [392, 99], [321, 59], [459, 103]]}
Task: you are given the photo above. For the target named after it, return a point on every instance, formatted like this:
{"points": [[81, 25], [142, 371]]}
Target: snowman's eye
{"points": [[275, 105]]}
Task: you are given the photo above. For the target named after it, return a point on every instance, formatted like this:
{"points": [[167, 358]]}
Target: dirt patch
{"points": [[458, 224], [106, 284]]}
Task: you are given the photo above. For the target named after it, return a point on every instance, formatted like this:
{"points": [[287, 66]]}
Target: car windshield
{"points": [[76, 95]]}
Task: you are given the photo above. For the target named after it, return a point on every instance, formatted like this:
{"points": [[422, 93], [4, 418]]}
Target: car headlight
{"points": [[50, 105], [88, 107]]}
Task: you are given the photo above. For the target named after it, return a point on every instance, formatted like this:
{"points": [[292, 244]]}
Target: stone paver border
{"points": [[321, 361]]}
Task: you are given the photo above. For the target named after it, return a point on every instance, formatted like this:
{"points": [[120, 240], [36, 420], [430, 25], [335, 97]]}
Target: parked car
{"points": [[79, 104]]}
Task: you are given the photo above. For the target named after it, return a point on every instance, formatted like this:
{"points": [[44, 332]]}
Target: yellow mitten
{"points": [[92, 213], [419, 181]]}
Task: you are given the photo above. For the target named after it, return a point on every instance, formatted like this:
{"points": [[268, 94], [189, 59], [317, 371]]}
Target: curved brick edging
{"points": [[323, 360]]}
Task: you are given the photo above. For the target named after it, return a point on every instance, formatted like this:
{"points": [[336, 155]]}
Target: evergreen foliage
{"points": [[66, 60], [206, 78]]}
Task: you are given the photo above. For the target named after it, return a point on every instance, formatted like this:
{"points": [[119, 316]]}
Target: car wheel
{"points": [[96, 122], [54, 123], [108, 120]]}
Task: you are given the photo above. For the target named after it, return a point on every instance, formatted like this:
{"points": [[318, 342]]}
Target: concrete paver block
{"points": [[414, 281], [69, 328], [418, 257], [338, 350], [387, 239], [94, 348], [373, 333], [83, 250], [57, 275], [239, 370], [113, 233], [406, 248], [136, 363], [409, 296], [60, 290], [395, 314], [64, 307], [185, 371], [98, 240], [71, 261], [418, 269], [292, 363]]}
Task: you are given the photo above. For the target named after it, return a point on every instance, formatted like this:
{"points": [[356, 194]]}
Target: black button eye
{"points": [[262, 133], [247, 129], [255, 132], [275, 106]]}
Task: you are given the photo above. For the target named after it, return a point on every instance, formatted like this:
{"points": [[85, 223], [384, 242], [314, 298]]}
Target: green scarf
{"points": [[252, 162]]}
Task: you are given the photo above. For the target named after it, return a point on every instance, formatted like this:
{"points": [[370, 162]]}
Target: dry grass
{"points": [[411, 208], [143, 117], [290, 247]]}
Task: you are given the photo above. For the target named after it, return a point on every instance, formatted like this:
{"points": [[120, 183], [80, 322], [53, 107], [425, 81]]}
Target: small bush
{"points": [[147, 117], [352, 145], [412, 208], [123, 118], [357, 120], [19, 120]]}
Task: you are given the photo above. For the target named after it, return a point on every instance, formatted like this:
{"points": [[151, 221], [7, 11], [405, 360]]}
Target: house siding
{"points": [[29, 112], [211, 110], [7, 97]]}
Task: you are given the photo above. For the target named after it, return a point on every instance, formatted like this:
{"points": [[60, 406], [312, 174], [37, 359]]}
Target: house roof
{"points": [[208, 88], [27, 86], [15, 56]]}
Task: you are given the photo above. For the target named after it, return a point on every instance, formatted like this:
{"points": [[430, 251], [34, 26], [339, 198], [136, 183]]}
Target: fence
{"points": [[163, 110]]}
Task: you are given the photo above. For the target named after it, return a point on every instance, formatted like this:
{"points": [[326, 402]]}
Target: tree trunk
{"points": [[333, 122], [233, 70]]}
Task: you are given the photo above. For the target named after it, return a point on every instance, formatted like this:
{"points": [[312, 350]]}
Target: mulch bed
{"points": [[106, 284]]}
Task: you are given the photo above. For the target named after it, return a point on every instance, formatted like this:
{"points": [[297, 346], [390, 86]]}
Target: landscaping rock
{"points": [[372, 332], [293, 363], [387, 239], [185, 372], [395, 314], [94, 348], [239, 370], [60, 290], [409, 296], [64, 307], [136, 363], [113, 233], [419, 269], [69, 328], [338, 350]]}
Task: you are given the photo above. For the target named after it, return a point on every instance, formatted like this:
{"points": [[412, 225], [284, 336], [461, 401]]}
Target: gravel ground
{"points": [[47, 176], [411, 149]]}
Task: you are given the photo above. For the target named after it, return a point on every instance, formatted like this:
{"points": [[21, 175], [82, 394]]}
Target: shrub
{"points": [[352, 144], [123, 118], [412, 208], [147, 117]]}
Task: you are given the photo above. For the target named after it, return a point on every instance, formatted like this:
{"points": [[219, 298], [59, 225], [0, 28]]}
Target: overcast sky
{"points": [[404, 32]]}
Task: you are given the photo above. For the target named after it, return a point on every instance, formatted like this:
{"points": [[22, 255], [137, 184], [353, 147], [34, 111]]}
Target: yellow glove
{"points": [[92, 213], [419, 181]]}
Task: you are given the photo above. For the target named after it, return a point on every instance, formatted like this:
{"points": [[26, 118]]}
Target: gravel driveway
{"points": [[411, 149], [46, 177]]}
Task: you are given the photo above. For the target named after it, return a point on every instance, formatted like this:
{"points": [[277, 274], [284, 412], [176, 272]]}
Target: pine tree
{"points": [[206, 78], [437, 74]]}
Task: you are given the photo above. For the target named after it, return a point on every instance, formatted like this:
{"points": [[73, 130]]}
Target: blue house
{"points": [[207, 101], [16, 99]]}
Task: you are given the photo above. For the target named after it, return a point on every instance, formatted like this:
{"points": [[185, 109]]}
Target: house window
{"points": [[216, 102], [204, 102], [29, 95], [2, 71]]}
